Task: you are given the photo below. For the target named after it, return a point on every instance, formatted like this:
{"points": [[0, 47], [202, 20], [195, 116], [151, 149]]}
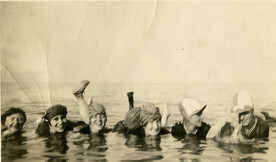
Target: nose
{"points": [[99, 118], [60, 121], [155, 125], [15, 122]]}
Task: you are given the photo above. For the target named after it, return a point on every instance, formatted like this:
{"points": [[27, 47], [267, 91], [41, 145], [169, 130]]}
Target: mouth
{"points": [[98, 123], [16, 126], [62, 126], [245, 121]]}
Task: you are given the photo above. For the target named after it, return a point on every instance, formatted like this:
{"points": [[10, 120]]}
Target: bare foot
{"points": [[79, 90]]}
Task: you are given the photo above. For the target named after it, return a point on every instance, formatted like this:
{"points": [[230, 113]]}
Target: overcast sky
{"points": [[166, 42]]}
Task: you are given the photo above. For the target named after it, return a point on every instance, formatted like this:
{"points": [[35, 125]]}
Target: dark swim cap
{"points": [[11, 111], [54, 111]]}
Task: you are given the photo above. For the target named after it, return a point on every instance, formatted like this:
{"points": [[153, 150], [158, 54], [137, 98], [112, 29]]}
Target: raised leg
{"points": [[166, 115]]}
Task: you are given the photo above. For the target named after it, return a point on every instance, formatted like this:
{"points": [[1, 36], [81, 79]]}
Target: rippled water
{"points": [[113, 147]]}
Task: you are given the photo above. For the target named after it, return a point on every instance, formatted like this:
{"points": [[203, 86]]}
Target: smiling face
{"points": [[97, 122], [245, 117], [152, 128], [14, 122], [58, 123]]}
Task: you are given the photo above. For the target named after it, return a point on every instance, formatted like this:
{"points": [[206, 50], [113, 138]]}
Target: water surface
{"points": [[34, 99]]}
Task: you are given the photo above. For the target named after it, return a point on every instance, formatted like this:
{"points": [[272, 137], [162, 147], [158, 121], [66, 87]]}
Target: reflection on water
{"points": [[191, 146], [93, 146], [56, 147], [149, 146], [151, 143], [97, 143], [13, 147], [57, 143], [243, 151], [133, 141], [242, 148]]}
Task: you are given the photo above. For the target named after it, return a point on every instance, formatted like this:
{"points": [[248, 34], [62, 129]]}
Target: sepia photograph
{"points": [[129, 80]]}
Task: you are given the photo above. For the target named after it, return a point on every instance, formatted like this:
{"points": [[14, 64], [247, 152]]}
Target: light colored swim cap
{"points": [[189, 107], [242, 102]]}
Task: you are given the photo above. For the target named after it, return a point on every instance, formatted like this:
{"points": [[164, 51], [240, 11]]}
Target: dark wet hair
{"points": [[10, 111], [54, 111]]}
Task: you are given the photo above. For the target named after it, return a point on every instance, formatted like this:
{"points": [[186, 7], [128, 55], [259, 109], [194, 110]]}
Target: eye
{"points": [[56, 119], [21, 119]]}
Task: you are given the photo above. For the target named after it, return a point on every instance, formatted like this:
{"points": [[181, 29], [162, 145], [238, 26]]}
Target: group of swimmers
{"points": [[142, 121]]}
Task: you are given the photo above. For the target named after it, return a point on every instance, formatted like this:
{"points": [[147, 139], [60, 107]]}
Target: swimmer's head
{"points": [[97, 118], [56, 116], [191, 110], [151, 119], [244, 107], [13, 119]]}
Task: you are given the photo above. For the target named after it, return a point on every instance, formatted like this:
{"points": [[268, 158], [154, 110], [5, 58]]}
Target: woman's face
{"points": [[246, 117], [58, 123], [152, 128], [97, 122], [14, 122], [195, 120]]}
